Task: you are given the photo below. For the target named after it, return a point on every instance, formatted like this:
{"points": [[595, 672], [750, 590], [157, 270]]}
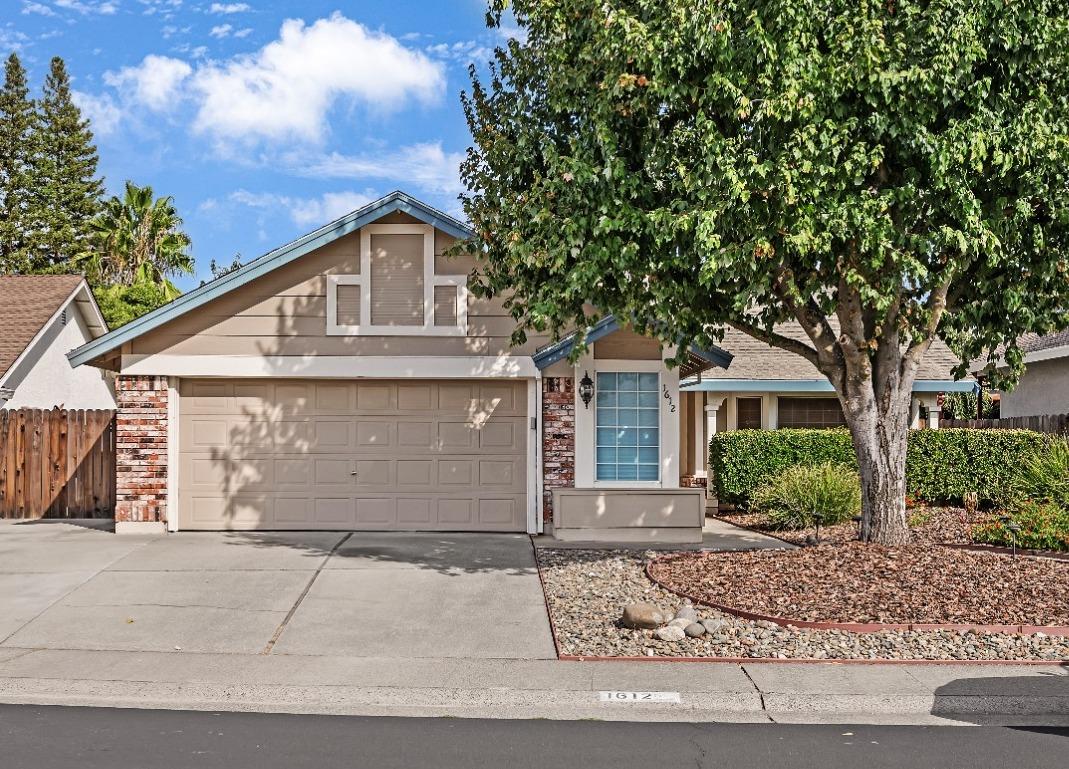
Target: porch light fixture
{"points": [[586, 389]]}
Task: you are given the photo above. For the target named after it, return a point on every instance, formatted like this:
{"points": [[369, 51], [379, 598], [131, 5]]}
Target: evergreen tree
{"points": [[17, 133], [68, 192]]}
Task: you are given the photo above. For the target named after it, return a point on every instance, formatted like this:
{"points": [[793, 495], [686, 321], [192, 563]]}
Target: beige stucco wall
{"points": [[669, 515], [284, 313], [1043, 389]]}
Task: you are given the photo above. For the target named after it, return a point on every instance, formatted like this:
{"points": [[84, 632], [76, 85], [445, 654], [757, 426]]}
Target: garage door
{"points": [[377, 455]]}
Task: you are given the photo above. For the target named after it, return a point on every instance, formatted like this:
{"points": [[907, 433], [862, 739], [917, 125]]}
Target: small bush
{"points": [[792, 497], [1043, 474], [1044, 526]]}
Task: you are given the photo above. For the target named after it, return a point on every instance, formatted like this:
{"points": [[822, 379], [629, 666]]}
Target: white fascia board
{"points": [[1050, 353], [332, 366]]}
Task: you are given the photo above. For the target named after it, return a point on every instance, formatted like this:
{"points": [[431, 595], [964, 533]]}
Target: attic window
{"points": [[396, 292]]}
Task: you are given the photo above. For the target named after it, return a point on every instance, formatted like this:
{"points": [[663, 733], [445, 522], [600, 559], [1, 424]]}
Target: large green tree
{"points": [[67, 189], [17, 157], [879, 172], [137, 246]]}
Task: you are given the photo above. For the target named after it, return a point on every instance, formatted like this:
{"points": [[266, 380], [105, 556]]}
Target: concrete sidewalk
{"points": [[510, 688]]}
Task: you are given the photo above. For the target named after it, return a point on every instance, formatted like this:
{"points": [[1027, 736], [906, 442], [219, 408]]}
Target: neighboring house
{"points": [[42, 318], [766, 388], [348, 380], [1044, 386]]}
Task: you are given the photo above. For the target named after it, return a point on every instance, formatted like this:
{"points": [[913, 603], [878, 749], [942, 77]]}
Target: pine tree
{"points": [[68, 190], [18, 122]]}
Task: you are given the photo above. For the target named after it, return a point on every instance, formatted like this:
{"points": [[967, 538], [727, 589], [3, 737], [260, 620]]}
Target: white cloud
{"points": [[305, 212], [103, 113], [102, 7], [427, 166], [286, 89], [220, 31], [243, 32], [38, 8], [465, 51], [156, 82], [229, 8], [12, 40]]}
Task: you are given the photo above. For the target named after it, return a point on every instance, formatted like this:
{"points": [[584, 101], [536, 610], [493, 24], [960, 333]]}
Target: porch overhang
{"points": [[812, 385]]}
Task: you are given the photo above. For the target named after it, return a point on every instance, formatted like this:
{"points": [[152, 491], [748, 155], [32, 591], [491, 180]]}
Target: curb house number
{"points": [[639, 696]]}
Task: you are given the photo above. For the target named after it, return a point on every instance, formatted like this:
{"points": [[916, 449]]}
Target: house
{"points": [[349, 380], [42, 318], [1044, 386], [766, 388]]}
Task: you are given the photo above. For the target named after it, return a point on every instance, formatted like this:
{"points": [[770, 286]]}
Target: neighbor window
{"points": [[628, 427], [810, 412]]}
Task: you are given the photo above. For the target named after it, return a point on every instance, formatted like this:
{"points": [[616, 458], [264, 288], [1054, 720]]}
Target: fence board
{"points": [[57, 463], [1046, 423]]}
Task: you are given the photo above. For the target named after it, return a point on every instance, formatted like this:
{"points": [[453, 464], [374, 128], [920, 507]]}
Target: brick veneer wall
{"points": [[141, 448], [558, 439]]}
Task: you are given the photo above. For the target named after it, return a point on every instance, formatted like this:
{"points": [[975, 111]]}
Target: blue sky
{"points": [[267, 118]]}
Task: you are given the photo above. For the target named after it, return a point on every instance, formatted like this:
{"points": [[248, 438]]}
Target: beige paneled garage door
{"points": [[316, 454]]}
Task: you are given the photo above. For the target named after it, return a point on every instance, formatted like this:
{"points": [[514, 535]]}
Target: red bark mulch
{"points": [[854, 582]]}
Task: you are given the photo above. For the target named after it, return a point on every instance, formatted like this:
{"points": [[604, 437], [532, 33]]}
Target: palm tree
{"points": [[138, 239]]}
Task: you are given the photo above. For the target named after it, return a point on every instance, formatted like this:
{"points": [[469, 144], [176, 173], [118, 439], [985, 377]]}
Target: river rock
{"points": [[694, 630], [643, 615], [670, 633], [686, 611]]}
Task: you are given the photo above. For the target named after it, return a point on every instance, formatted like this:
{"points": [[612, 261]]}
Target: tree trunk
{"points": [[879, 428]]}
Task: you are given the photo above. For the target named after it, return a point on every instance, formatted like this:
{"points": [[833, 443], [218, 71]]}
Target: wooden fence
{"points": [[57, 463], [1048, 423]]}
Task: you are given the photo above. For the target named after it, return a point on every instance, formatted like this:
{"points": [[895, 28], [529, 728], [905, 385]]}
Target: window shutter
{"points": [[445, 305], [397, 280]]}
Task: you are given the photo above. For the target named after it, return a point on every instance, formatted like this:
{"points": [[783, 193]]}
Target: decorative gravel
{"points": [[587, 590], [854, 582]]}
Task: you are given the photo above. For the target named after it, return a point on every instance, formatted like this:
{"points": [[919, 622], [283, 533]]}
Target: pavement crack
{"points": [[300, 599], [760, 694]]}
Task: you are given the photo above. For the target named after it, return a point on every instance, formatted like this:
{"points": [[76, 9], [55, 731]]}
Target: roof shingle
{"points": [[26, 304]]}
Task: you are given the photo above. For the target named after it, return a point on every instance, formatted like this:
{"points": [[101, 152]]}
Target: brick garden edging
{"points": [[851, 627]]}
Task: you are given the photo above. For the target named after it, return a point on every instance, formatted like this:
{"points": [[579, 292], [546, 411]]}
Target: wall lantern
{"points": [[586, 389]]}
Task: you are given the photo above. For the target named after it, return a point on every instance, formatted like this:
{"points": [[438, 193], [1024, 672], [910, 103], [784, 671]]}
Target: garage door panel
{"points": [[427, 455]]}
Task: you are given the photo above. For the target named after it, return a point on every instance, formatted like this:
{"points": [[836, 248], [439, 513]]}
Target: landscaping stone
{"points": [[694, 630], [681, 622], [643, 615], [586, 588], [686, 611], [670, 633]]}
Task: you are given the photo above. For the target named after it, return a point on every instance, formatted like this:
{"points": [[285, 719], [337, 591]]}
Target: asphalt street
{"points": [[103, 738]]}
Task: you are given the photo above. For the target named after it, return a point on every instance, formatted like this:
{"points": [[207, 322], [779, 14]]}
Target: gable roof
{"points": [[339, 228], [699, 359], [27, 304], [1056, 345]]}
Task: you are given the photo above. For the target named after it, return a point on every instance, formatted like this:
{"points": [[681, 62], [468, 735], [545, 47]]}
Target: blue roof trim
{"points": [[558, 351], [811, 386], [715, 355], [395, 201]]}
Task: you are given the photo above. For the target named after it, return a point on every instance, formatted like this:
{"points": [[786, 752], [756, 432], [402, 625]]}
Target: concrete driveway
{"points": [[69, 586]]}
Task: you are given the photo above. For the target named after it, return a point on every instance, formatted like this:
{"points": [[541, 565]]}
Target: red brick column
{"points": [[558, 439], [140, 450]]}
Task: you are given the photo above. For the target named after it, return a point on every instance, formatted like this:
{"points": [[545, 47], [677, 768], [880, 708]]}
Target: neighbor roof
{"points": [[395, 201], [27, 303], [1035, 343]]}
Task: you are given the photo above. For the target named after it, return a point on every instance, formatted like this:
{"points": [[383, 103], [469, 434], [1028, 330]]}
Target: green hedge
{"points": [[941, 465]]}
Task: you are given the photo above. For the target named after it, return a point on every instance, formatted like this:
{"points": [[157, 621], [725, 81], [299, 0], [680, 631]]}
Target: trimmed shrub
{"points": [[941, 465], [791, 498], [743, 460], [1044, 526], [1043, 474]]}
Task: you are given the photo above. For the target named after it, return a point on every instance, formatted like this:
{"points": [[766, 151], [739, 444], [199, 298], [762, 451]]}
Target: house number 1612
{"points": [[668, 397]]}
